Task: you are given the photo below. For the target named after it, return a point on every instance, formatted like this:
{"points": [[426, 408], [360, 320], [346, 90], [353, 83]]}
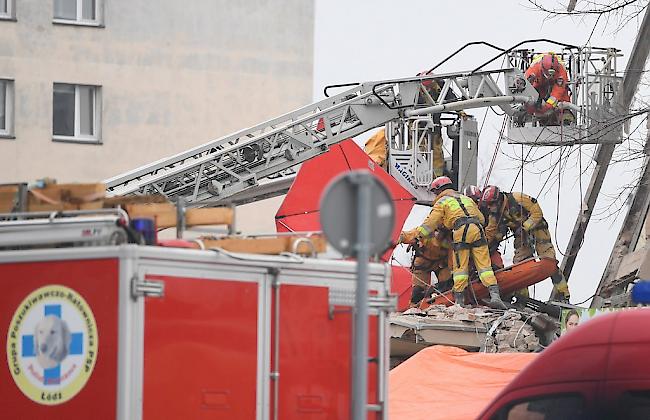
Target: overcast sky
{"points": [[379, 39]]}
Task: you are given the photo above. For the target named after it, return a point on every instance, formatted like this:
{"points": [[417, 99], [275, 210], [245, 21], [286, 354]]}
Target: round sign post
{"points": [[358, 215]]}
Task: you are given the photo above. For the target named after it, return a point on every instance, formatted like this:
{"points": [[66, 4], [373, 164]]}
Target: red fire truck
{"points": [[130, 331]]}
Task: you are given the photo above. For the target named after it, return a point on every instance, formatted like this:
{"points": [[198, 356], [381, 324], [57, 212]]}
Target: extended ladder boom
{"points": [[219, 169]]}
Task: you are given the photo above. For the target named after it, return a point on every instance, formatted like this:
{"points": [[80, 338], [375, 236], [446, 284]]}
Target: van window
{"points": [[557, 407], [634, 405]]}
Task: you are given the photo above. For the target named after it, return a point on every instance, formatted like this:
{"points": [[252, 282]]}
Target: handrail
{"points": [[529, 41]]}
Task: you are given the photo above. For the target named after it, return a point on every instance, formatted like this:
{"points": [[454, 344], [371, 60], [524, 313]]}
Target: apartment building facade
{"points": [[92, 88]]}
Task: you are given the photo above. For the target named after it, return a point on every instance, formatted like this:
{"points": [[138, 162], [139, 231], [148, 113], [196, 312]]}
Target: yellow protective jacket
{"points": [[435, 249], [446, 211], [376, 147], [522, 210], [495, 231]]}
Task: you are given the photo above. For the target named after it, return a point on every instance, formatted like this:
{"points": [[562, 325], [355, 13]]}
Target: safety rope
{"points": [[514, 182], [496, 151]]}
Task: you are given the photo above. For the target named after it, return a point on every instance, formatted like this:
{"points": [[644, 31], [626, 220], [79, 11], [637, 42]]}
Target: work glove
{"points": [[414, 245], [546, 107], [519, 117], [404, 239]]}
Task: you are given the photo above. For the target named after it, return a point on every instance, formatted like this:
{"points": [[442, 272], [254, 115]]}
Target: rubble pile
{"points": [[507, 332]]}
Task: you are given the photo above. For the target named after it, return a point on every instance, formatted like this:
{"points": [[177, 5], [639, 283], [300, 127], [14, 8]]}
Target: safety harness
{"points": [[465, 222], [517, 210], [418, 253]]}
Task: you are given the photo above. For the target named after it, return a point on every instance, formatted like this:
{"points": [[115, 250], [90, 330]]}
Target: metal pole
{"points": [[360, 355], [180, 217], [469, 104]]}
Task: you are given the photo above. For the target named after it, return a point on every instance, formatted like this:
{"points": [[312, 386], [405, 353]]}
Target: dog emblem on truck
{"points": [[52, 344]]}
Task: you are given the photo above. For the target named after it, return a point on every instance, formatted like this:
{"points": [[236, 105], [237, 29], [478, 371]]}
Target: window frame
{"points": [[96, 138], [11, 11], [8, 131], [98, 22], [504, 412]]}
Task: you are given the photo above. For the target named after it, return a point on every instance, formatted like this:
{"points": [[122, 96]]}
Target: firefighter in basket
{"points": [[549, 77]]}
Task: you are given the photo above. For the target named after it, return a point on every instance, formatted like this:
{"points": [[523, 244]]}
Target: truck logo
{"points": [[52, 344], [405, 174]]}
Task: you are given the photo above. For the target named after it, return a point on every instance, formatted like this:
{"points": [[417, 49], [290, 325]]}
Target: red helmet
{"points": [[550, 65], [440, 182], [425, 83], [491, 195], [473, 192]]}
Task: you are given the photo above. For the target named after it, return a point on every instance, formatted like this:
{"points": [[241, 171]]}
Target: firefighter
{"points": [[549, 77], [429, 255], [376, 148], [460, 215], [523, 215], [473, 192], [429, 93]]}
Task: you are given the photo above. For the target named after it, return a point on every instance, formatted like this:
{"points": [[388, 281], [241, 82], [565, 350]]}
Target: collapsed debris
{"points": [[473, 329]]}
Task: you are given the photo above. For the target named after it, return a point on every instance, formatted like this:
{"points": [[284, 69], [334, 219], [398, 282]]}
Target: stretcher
{"points": [[510, 279]]}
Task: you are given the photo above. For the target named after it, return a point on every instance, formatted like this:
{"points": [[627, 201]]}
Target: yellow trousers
{"points": [[480, 256], [422, 276]]}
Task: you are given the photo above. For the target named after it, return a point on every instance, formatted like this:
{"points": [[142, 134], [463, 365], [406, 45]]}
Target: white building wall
{"points": [[173, 74]]}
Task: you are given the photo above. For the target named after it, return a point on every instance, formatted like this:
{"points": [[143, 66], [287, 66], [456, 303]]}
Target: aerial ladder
{"points": [[226, 168], [260, 162]]}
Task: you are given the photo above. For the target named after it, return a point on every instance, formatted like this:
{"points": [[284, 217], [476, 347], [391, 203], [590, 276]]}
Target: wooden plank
{"points": [[209, 216], [7, 197], [164, 214], [110, 202], [268, 246], [55, 197]]}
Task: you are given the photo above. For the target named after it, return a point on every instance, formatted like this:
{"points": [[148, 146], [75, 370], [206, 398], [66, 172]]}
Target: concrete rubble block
{"points": [[511, 337], [518, 324], [454, 308], [413, 311], [467, 316], [533, 347], [531, 339]]}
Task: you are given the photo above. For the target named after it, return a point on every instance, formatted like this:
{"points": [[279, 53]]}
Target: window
{"points": [[557, 407], [6, 108], [76, 113], [633, 405], [7, 10], [77, 12]]}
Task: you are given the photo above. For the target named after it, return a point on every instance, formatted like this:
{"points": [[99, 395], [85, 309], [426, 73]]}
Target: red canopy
{"points": [[300, 209]]}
